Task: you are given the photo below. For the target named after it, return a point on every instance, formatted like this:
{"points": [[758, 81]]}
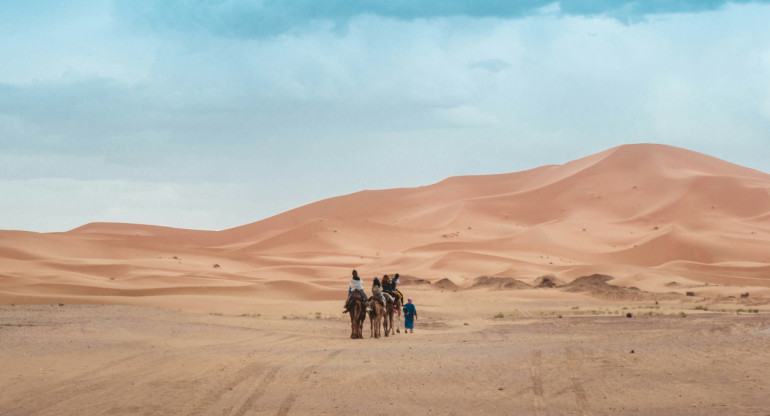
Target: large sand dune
{"points": [[646, 214]]}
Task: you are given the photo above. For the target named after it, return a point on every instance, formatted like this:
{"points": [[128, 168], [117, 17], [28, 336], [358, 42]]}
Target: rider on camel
{"points": [[396, 290], [356, 286], [390, 287], [377, 291]]}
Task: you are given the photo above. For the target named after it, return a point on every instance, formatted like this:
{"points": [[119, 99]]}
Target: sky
{"points": [[212, 114]]}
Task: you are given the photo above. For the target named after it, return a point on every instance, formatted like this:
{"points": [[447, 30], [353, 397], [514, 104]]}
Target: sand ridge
{"points": [[646, 214]]}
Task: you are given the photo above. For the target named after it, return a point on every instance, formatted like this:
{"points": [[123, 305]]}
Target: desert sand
{"points": [[158, 320], [125, 360]]}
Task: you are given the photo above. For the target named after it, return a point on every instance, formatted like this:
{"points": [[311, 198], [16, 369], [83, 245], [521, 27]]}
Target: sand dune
{"points": [[649, 214]]}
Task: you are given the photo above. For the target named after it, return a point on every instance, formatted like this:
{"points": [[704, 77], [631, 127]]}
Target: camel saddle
{"points": [[355, 296], [388, 297]]}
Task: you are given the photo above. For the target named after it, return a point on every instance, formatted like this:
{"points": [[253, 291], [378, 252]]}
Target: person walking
{"points": [[410, 314]]}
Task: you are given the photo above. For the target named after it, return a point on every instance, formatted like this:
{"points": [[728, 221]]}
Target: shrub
{"points": [[499, 316]]}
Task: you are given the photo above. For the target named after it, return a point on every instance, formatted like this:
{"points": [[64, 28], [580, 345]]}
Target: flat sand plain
{"points": [[133, 360]]}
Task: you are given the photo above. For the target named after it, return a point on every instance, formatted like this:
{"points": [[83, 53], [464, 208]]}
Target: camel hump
{"points": [[388, 297]]}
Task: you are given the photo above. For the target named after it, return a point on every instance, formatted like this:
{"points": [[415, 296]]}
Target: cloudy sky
{"points": [[211, 114]]}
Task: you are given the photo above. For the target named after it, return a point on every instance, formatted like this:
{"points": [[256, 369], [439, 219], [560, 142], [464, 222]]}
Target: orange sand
{"points": [[647, 214]]}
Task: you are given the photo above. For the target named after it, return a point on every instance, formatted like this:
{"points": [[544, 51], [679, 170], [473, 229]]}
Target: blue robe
{"points": [[409, 313]]}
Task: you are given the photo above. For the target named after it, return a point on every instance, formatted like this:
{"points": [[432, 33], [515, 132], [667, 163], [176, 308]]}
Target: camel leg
{"points": [[385, 320], [357, 318], [398, 319], [382, 321], [361, 323], [379, 322]]}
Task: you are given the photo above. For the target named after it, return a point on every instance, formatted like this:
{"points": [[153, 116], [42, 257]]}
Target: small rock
{"points": [[690, 293], [61, 304], [465, 323], [632, 351], [629, 315]]}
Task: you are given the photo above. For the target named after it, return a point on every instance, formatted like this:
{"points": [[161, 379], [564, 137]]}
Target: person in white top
{"points": [[356, 285]]}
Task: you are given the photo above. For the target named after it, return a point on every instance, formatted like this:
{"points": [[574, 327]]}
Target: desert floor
{"points": [[554, 353]]}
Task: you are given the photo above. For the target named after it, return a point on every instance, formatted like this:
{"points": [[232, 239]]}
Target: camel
{"points": [[393, 306], [357, 310], [376, 314]]}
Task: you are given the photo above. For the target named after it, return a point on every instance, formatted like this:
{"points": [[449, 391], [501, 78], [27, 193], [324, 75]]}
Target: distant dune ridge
{"points": [[646, 214]]}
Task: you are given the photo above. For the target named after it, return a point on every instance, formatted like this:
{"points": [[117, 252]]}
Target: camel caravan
{"points": [[383, 306]]}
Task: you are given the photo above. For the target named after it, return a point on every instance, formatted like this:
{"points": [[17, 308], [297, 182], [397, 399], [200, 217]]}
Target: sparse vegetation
{"points": [[701, 308], [499, 316], [306, 316], [683, 315], [216, 314]]}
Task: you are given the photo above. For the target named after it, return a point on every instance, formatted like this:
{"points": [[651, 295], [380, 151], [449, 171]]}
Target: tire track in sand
{"points": [[304, 376], [249, 395], [538, 399], [286, 405], [311, 368], [574, 364], [210, 403]]}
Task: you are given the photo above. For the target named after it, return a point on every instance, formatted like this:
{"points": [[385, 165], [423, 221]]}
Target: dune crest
{"points": [[642, 210]]}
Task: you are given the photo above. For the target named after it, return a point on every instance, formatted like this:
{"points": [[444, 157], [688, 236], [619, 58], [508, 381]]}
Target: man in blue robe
{"points": [[410, 314]]}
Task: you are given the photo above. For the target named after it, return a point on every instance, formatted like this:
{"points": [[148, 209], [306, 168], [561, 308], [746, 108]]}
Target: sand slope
{"points": [[646, 214]]}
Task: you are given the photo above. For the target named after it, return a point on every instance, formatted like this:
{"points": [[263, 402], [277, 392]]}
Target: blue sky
{"points": [[213, 114]]}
